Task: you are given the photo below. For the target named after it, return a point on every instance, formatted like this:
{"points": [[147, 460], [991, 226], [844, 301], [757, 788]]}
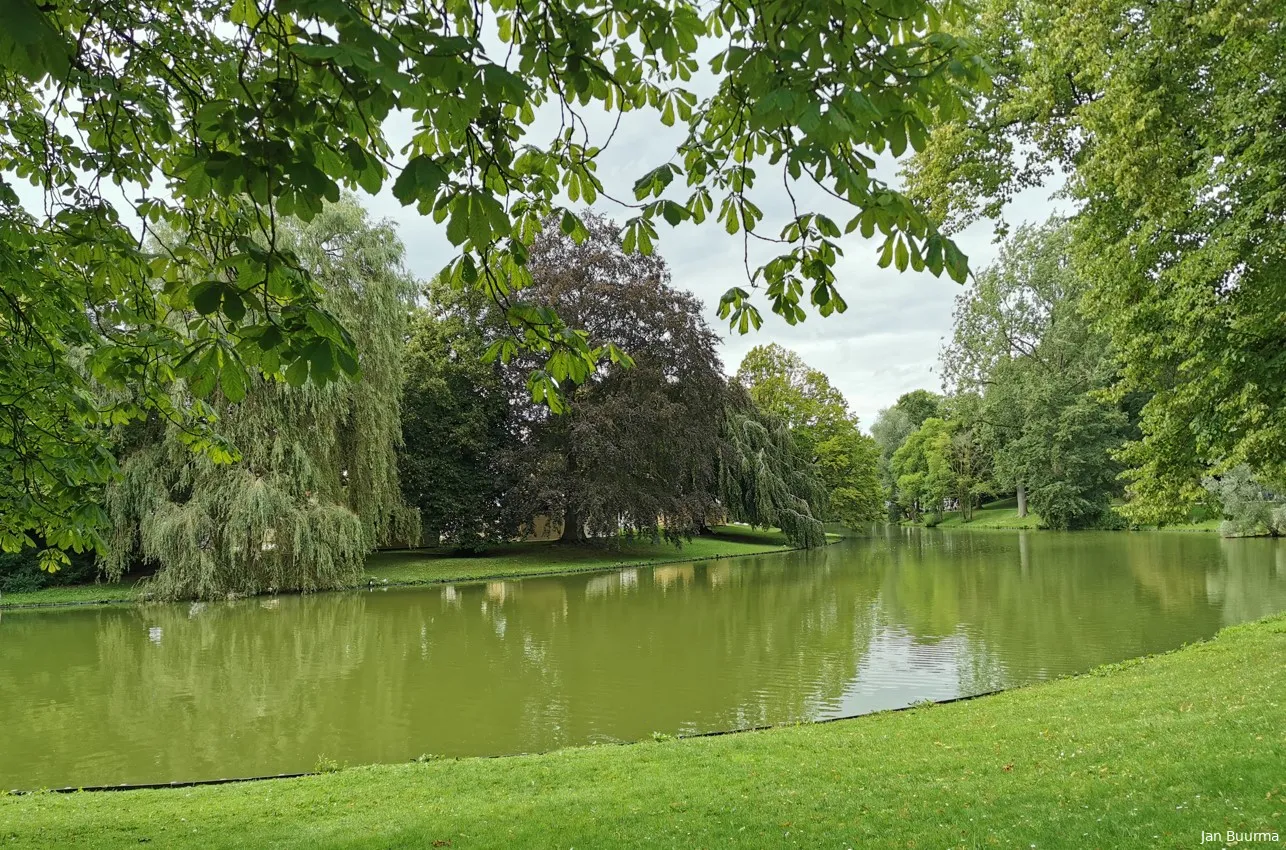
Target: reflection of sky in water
{"points": [[897, 671]]}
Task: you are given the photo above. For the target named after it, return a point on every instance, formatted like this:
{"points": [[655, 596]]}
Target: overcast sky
{"points": [[886, 343]]}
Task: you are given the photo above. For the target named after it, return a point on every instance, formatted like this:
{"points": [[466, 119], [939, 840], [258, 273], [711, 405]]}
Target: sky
{"points": [[885, 344]]}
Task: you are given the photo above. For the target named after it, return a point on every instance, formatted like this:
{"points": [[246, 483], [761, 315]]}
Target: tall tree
{"points": [[633, 448], [892, 426], [220, 119], [938, 462], [312, 486], [890, 429], [1021, 340], [456, 428], [782, 385], [1167, 120]]}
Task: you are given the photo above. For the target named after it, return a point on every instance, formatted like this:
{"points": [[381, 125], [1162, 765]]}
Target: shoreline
{"points": [[373, 580]]}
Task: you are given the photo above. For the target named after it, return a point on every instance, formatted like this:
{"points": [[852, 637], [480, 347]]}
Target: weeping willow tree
{"points": [[764, 479], [309, 485]]}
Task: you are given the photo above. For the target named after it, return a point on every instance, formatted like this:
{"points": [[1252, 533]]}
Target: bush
{"points": [[1064, 507], [1249, 507], [1111, 520], [20, 571]]}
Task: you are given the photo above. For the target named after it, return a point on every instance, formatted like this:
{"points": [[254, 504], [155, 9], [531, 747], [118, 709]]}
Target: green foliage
{"points": [[455, 429], [891, 429], [633, 447], [787, 389], [22, 572], [937, 462], [780, 383], [313, 485], [1249, 507], [764, 479], [1021, 340], [919, 405], [849, 466], [221, 121], [1166, 119]]}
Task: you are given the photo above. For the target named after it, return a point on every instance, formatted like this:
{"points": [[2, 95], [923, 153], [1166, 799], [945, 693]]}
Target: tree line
{"points": [[128, 122], [656, 441], [1034, 406], [443, 442]]}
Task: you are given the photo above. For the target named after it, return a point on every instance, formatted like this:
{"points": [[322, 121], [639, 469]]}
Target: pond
{"points": [[162, 693]]}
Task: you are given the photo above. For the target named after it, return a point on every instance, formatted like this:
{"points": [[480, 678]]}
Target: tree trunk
{"points": [[1022, 499], [573, 521], [573, 525]]}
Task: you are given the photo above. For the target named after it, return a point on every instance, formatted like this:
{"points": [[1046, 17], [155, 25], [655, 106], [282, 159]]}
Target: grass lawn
{"points": [[1000, 514], [1003, 514], [1146, 754], [517, 559], [71, 594]]}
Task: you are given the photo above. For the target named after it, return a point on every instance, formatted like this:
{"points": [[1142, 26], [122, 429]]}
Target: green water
{"points": [[179, 692]]}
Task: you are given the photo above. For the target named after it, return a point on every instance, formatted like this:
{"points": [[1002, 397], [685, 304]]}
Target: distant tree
{"points": [[764, 478], [849, 464], [782, 385], [919, 405], [633, 449], [1021, 341], [1163, 123], [308, 485], [456, 429], [938, 462], [892, 426]]}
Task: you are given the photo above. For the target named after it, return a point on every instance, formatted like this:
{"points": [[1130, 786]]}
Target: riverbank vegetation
{"points": [[209, 387], [1131, 352], [442, 565], [1036, 410], [1149, 753], [443, 443]]}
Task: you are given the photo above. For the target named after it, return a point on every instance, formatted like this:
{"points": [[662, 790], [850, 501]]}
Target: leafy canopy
{"points": [[786, 388], [314, 486], [220, 120], [1166, 119]]}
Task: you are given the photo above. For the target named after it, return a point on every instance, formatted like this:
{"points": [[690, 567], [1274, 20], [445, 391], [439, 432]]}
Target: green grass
{"points": [[995, 515], [543, 558], [1003, 514], [74, 594], [517, 559], [1145, 754]]}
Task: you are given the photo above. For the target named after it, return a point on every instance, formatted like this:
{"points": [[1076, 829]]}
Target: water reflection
{"points": [[166, 692]]}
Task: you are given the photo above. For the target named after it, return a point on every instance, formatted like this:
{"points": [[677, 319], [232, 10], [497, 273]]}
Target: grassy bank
{"points": [[1003, 515], [517, 559], [1145, 754]]}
